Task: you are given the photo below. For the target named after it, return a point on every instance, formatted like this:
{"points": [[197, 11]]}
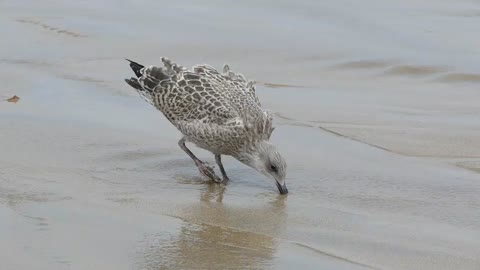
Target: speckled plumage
{"points": [[218, 111]]}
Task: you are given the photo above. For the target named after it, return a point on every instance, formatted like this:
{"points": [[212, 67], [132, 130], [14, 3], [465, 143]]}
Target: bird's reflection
{"points": [[220, 236], [213, 192]]}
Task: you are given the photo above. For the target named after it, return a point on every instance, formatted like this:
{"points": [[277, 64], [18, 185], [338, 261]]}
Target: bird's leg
{"points": [[203, 167], [218, 158]]}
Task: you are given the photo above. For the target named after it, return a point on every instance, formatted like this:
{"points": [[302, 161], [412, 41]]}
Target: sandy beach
{"points": [[377, 113]]}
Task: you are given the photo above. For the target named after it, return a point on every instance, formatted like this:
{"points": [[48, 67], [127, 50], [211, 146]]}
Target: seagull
{"points": [[216, 111]]}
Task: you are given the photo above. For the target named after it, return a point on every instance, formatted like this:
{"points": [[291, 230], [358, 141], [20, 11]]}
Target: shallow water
{"points": [[376, 106]]}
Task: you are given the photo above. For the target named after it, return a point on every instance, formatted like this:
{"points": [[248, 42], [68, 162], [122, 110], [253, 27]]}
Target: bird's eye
{"points": [[273, 168]]}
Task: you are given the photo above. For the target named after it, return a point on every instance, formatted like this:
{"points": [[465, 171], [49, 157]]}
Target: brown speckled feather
{"points": [[219, 112]]}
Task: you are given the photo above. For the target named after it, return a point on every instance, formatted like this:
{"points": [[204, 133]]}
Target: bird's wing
{"points": [[204, 95], [229, 83], [267, 127], [241, 94], [182, 95]]}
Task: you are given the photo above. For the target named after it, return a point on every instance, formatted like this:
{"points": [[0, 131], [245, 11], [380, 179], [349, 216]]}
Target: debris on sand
{"points": [[13, 99]]}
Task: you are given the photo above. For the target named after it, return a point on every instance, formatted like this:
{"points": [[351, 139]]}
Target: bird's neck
{"points": [[252, 152]]}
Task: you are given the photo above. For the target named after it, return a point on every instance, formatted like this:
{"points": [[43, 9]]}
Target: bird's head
{"points": [[267, 160]]}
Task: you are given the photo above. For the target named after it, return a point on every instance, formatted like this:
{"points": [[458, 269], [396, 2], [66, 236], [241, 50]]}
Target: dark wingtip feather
{"points": [[133, 82], [136, 67]]}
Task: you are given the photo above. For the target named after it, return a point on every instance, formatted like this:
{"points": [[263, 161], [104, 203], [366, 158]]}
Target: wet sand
{"points": [[378, 122]]}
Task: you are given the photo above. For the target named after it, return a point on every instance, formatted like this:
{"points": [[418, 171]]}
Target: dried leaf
{"points": [[13, 99]]}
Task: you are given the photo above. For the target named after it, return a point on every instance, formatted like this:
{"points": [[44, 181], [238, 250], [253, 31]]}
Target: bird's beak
{"points": [[282, 188]]}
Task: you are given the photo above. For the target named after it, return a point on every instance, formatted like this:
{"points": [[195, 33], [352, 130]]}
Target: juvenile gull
{"points": [[217, 111]]}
